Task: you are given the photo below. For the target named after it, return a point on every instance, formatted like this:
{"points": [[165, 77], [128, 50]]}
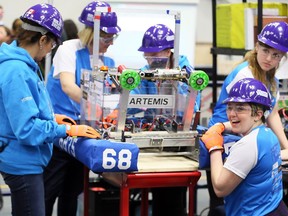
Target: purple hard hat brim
{"points": [[237, 100], [154, 49], [111, 30], [271, 44], [241, 100], [108, 30]]}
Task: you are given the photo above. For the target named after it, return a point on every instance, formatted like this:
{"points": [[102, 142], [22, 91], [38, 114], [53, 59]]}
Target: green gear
{"points": [[130, 79], [198, 80]]}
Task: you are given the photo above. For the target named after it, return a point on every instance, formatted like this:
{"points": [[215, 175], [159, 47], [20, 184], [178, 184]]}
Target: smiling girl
{"points": [[251, 175]]}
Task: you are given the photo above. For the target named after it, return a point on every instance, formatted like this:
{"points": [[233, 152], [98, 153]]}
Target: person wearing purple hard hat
{"points": [[63, 176], [27, 120], [157, 46], [109, 28], [252, 170], [260, 63], [108, 20], [157, 38]]}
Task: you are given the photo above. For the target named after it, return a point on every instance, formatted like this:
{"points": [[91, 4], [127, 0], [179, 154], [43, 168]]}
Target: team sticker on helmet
{"points": [[170, 38], [57, 24], [90, 17], [29, 12], [262, 93]]}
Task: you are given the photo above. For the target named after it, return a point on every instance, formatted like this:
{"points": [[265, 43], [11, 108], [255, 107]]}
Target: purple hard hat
{"points": [[157, 38], [275, 34], [249, 90], [46, 16], [108, 20]]}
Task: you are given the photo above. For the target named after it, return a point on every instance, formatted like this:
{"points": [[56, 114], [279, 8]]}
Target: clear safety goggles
{"points": [[238, 109], [157, 62], [108, 40]]}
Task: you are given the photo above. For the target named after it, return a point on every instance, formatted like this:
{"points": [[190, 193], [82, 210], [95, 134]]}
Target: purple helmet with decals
{"points": [[108, 20], [157, 38], [46, 16], [249, 90], [275, 34]]}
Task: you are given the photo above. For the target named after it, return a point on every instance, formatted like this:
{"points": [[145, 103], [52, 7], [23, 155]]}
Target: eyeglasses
{"points": [[238, 109], [267, 52], [108, 40]]}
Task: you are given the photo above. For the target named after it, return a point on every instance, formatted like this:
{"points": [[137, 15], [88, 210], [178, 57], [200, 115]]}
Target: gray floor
{"points": [[202, 199]]}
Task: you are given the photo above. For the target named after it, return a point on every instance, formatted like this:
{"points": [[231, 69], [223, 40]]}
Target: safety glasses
{"points": [[108, 40], [238, 109]]}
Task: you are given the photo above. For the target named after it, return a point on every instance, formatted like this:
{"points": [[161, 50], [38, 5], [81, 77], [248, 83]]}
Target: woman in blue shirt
{"points": [[27, 120], [250, 179]]}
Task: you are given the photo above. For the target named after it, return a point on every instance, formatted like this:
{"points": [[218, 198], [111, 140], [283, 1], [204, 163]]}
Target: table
{"points": [[154, 171]]}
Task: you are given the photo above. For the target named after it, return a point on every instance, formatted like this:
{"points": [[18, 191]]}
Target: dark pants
{"points": [[27, 194], [169, 201], [63, 179]]}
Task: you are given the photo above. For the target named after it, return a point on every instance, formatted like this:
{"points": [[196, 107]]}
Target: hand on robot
{"points": [[82, 131], [63, 119], [213, 138], [111, 119]]}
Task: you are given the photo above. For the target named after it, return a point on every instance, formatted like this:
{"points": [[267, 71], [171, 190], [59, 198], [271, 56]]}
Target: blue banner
{"points": [[101, 155], [204, 155]]}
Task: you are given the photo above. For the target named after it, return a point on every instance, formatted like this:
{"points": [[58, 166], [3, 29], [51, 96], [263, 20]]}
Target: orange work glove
{"points": [[63, 119], [213, 139], [112, 117], [219, 128], [82, 130]]}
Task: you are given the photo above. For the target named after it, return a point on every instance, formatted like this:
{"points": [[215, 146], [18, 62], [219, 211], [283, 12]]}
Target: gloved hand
{"points": [[219, 128], [82, 130], [112, 117], [63, 119], [213, 139]]}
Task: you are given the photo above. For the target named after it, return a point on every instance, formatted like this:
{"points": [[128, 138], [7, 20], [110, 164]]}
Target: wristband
{"points": [[215, 148]]}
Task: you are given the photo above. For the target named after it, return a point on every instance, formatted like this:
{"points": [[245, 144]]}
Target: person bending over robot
{"points": [[250, 179], [64, 175], [157, 42]]}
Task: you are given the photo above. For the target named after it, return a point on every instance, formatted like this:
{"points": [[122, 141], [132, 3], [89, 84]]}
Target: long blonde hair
{"points": [[268, 77], [86, 35]]}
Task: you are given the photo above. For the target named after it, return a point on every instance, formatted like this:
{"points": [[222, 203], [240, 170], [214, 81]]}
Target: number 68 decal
{"points": [[124, 159]]}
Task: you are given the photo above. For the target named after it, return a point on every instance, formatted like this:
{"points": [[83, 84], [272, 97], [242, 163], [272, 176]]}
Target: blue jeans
{"points": [[27, 194]]}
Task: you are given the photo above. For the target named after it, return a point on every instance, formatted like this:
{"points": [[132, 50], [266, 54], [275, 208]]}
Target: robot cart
{"points": [[159, 123], [168, 143]]}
